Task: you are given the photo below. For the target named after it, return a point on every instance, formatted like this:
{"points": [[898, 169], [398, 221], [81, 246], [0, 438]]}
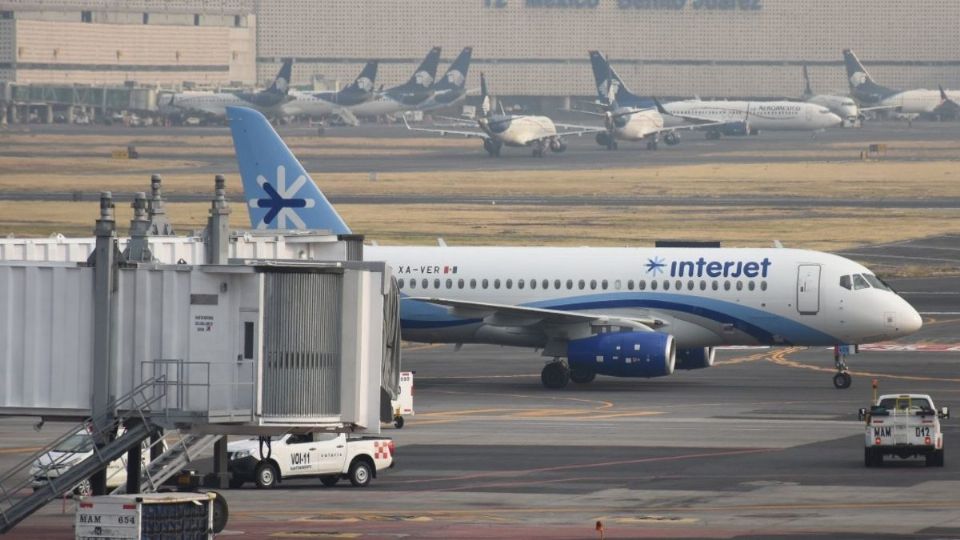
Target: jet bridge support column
{"points": [[104, 262], [220, 458]]}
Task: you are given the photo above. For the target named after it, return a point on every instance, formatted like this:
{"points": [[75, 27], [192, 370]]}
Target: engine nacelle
{"points": [[558, 146], [736, 129], [699, 358], [603, 138], [624, 354]]}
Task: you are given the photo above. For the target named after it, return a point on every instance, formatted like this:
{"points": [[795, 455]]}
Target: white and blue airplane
{"points": [[623, 312]]}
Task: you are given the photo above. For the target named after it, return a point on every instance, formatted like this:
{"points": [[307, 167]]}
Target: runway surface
{"points": [[760, 446]]}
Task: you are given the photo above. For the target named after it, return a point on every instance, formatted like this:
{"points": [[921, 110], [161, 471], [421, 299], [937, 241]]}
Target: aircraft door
{"points": [[808, 289]]}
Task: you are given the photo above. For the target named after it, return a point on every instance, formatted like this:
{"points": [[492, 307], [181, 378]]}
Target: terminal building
{"points": [[534, 48]]}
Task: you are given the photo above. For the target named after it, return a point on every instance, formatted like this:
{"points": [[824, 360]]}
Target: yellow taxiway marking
{"points": [[20, 450], [780, 358]]}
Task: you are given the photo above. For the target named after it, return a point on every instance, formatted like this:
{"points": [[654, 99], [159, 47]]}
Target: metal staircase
{"points": [[58, 473], [176, 457]]}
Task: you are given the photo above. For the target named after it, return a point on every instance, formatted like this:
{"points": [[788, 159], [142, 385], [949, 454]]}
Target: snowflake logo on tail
{"points": [[281, 201]]}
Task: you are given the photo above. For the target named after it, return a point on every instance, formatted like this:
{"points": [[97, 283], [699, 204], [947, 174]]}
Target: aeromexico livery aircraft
{"points": [[625, 312], [408, 95], [269, 101], [323, 103], [451, 88], [919, 101]]}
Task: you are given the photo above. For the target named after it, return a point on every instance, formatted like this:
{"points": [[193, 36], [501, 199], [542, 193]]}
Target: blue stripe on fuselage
{"points": [[765, 327]]}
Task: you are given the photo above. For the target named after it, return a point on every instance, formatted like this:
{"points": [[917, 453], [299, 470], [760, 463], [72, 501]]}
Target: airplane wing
{"points": [[445, 132], [575, 130], [513, 315]]}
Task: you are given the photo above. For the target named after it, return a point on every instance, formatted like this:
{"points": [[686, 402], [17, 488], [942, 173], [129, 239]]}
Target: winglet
{"points": [[280, 193]]}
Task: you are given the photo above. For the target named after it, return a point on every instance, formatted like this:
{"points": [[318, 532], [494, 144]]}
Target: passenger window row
{"points": [[556, 284]]}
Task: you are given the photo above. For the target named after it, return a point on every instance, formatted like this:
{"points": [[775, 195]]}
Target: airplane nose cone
{"points": [[912, 321], [833, 120]]}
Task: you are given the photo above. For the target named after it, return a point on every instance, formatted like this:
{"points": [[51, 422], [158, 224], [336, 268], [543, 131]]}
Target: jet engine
{"points": [[557, 145], [623, 354], [699, 358]]}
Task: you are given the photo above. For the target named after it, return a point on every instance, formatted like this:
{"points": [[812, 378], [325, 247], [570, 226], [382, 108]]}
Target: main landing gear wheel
{"points": [[555, 375], [538, 149], [582, 376]]}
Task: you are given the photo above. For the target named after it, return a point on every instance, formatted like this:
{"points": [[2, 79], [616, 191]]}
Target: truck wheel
{"points": [[221, 512], [398, 422], [360, 473], [84, 488], [266, 475], [329, 481]]}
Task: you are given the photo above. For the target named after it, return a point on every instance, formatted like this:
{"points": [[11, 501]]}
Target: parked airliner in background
{"points": [[843, 106], [628, 117], [625, 312], [450, 89], [214, 104], [318, 104], [408, 95], [751, 117], [497, 130], [919, 101]]}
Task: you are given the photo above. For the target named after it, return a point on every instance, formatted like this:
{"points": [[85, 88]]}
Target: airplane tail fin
{"points": [[807, 90], [862, 85], [282, 82], [484, 96], [280, 193], [610, 87], [365, 81], [456, 75], [427, 70]]}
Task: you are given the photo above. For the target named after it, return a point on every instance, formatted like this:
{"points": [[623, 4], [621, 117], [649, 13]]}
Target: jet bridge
{"points": [[209, 345]]}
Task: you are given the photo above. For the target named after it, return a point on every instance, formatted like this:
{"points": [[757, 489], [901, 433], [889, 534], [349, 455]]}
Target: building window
{"points": [[86, 16], [237, 21], [196, 19], [146, 18], [6, 14]]}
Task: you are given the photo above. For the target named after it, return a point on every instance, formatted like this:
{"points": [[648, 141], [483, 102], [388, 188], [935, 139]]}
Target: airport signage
{"points": [[659, 5]]}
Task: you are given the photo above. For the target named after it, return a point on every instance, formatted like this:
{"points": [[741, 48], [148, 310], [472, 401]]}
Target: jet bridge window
{"points": [[877, 282], [859, 282]]}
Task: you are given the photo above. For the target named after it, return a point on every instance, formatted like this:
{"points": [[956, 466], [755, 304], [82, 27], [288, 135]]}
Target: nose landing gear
{"points": [[842, 380]]}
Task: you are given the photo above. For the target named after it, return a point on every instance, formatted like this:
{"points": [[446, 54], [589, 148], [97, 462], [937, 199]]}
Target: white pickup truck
{"points": [[903, 425], [329, 456]]}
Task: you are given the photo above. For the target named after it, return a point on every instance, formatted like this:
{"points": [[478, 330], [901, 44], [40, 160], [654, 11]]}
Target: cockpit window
{"points": [[859, 282], [877, 282], [845, 282]]}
